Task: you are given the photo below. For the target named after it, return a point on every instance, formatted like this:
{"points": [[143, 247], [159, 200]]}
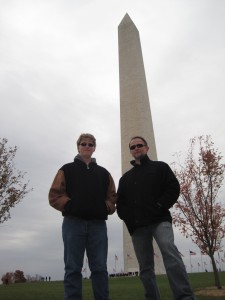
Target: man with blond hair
{"points": [[85, 194]]}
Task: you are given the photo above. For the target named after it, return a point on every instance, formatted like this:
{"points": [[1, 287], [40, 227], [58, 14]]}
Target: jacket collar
{"points": [[78, 157], [144, 160]]}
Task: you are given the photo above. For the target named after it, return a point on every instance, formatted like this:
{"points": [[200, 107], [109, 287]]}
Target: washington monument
{"points": [[135, 118]]}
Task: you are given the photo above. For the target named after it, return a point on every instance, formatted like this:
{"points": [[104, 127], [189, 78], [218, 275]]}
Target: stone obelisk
{"points": [[135, 118]]}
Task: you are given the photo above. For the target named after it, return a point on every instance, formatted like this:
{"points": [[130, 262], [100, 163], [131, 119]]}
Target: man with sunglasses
{"points": [[145, 194], [85, 194]]}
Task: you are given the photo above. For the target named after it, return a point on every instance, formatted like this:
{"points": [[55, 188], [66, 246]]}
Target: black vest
{"points": [[87, 186]]}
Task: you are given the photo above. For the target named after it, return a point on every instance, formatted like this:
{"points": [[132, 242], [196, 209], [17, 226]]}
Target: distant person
{"points": [[85, 194], [145, 194]]}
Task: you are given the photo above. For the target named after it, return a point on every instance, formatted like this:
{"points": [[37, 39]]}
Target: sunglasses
{"points": [[87, 144], [136, 146]]}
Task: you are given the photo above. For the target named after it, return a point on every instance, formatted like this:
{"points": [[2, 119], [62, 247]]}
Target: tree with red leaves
{"points": [[19, 276], [198, 213], [8, 278], [12, 190]]}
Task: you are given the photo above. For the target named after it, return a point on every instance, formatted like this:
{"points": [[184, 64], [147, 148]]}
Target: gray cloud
{"points": [[59, 77]]}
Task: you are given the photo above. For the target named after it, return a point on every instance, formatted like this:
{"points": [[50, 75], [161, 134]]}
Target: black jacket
{"points": [[145, 194]]}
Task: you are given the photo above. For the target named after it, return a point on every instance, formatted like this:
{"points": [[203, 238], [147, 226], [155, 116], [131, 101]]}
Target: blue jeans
{"points": [[143, 245], [80, 235]]}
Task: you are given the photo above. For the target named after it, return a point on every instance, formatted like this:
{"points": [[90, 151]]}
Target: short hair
{"points": [[138, 137], [86, 136]]}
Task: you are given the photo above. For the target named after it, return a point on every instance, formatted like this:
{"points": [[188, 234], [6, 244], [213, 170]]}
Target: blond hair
{"points": [[86, 136]]}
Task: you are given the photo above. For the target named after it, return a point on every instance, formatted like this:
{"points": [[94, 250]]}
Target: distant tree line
{"points": [[13, 277], [19, 277]]}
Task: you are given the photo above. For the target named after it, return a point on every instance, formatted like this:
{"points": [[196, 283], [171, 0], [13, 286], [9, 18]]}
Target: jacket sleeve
{"points": [[124, 211], [122, 208], [170, 189], [57, 194], [111, 196]]}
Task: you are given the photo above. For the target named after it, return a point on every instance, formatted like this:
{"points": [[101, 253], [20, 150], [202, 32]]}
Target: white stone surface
{"points": [[135, 116]]}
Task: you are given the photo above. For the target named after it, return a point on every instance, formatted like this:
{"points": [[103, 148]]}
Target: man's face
{"points": [[138, 148], [86, 148]]}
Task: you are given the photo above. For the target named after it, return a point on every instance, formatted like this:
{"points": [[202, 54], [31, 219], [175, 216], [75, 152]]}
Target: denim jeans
{"points": [[80, 235], [143, 245]]}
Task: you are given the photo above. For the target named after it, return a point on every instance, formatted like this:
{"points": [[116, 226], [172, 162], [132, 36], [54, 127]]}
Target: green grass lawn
{"points": [[121, 288]]}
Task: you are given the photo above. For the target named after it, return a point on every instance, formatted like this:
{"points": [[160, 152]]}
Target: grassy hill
{"points": [[121, 288]]}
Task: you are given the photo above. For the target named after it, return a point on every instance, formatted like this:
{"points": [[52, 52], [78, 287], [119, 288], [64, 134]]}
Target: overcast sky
{"points": [[59, 77]]}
